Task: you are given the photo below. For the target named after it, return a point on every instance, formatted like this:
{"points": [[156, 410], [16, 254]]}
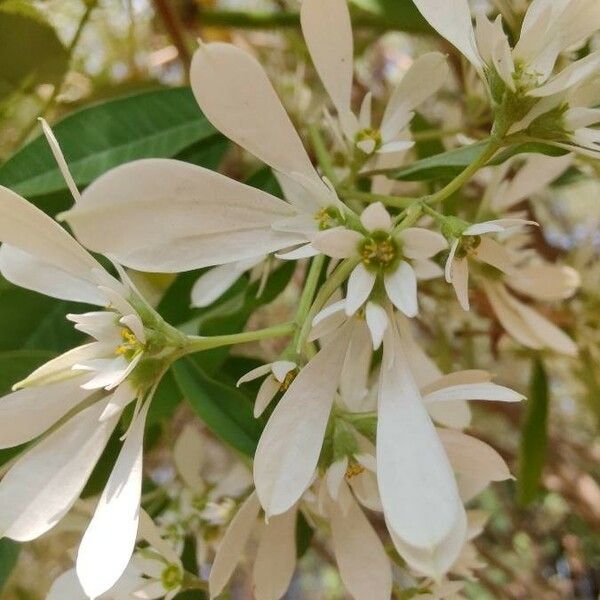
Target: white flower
{"points": [[384, 256], [474, 243], [328, 33], [279, 376], [83, 392], [275, 559]]}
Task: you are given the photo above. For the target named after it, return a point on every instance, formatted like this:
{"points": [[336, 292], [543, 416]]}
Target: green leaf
{"points": [[534, 436], [449, 164], [395, 14], [224, 409], [31, 51], [9, 554], [160, 124]]}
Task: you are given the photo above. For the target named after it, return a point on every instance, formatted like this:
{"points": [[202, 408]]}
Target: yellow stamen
{"points": [[353, 470]]}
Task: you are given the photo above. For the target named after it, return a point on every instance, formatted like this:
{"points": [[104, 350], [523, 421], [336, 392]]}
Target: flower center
{"points": [[327, 218], [468, 245], [131, 346], [353, 470], [171, 577], [379, 251], [368, 140]]}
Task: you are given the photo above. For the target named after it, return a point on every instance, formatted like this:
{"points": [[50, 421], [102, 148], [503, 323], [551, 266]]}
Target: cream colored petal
{"points": [[452, 20], [152, 534], [338, 242], [275, 560], [417, 485], [455, 414], [211, 219], [476, 463], [254, 374], [401, 288], [474, 391], [502, 56], [66, 587], [457, 378], [290, 444], [237, 97], [425, 77], [366, 110], [426, 269], [214, 283], [495, 254], [267, 391], [29, 412], [231, 548], [334, 476], [376, 217], [354, 380], [109, 540], [360, 286], [189, 456], [570, 76], [306, 251], [377, 321], [545, 282], [364, 566], [281, 368], [46, 481], [422, 243], [328, 34]]}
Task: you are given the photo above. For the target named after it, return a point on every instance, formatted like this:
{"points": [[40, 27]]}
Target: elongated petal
{"points": [[452, 20], [231, 548], [424, 78], [328, 34], [545, 282], [267, 391], [457, 378], [401, 288], [237, 97], [275, 557], [360, 286], [29, 412], [109, 540], [570, 76], [474, 391], [495, 226], [33, 273], [460, 281], [364, 566], [66, 587], [417, 485], [46, 481], [422, 243], [214, 283], [290, 445], [27, 228], [378, 322], [455, 414], [476, 463], [376, 217], [338, 242], [495, 254], [211, 219], [189, 456]]}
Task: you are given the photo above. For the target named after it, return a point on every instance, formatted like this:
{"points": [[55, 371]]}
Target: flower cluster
{"points": [[364, 437]]}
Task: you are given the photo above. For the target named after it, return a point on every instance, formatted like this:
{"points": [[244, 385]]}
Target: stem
{"points": [[310, 287], [199, 343], [494, 144], [57, 88], [172, 23], [323, 157], [337, 278], [395, 201]]}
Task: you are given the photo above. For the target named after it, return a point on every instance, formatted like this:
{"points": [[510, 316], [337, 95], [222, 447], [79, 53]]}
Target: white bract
{"points": [[328, 33]]}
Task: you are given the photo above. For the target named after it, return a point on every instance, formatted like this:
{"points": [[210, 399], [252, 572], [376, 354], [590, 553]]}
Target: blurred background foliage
{"points": [[111, 76]]}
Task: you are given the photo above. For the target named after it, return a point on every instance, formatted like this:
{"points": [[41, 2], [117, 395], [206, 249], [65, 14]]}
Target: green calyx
{"points": [[368, 140], [453, 227], [171, 577]]}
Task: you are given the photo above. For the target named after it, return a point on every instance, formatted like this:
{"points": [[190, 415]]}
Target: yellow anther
{"points": [[130, 346], [353, 470], [287, 381]]}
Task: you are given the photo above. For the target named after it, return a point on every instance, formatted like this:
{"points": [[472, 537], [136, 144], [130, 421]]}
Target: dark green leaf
{"points": [[395, 14], [449, 164], [31, 51], [159, 124], [224, 409], [534, 436], [9, 554], [304, 535]]}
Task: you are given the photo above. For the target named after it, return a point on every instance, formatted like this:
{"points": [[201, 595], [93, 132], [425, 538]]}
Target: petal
{"points": [[377, 321], [328, 34], [214, 283], [450, 260], [422, 243], [474, 391], [66, 587], [401, 288], [495, 254], [189, 455], [338, 242], [360, 286], [417, 485], [232, 545], [281, 368], [255, 374], [395, 146], [425, 77], [545, 282], [109, 540], [151, 533], [496, 226], [455, 414], [27, 228], [211, 219], [30, 272], [457, 378], [354, 380], [289, 448], [364, 566], [275, 557], [306, 251], [267, 391], [29, 412], [237, 97], [426, 270], [335, 476], [376, 217], [476, 463], [452, 20], [460, 281], [45, 482], [569, 76]]}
